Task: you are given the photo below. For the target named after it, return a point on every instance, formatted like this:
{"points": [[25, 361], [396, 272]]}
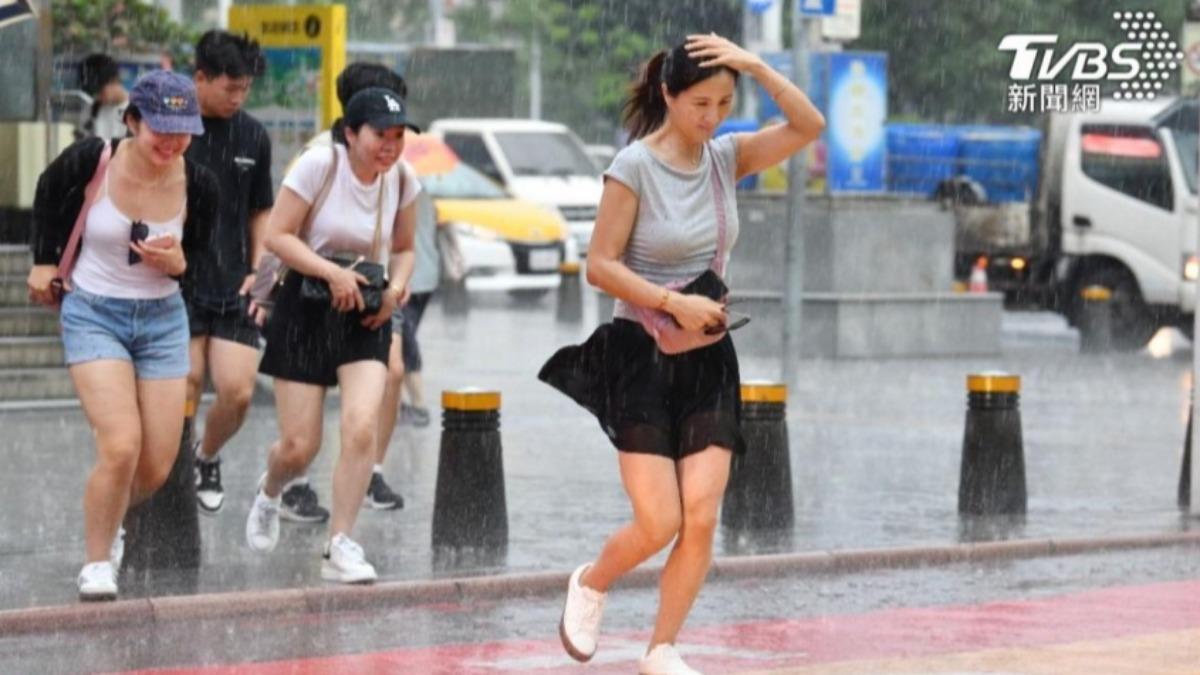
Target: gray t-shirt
{"points": [[674, 236]]}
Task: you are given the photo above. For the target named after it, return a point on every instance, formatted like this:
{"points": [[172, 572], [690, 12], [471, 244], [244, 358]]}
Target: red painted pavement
{"points": [[1103, 614]]}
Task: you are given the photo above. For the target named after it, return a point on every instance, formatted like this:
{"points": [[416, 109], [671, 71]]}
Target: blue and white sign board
{"points": [[855, 113], [817, 7], [12, 11], [759, 6]]}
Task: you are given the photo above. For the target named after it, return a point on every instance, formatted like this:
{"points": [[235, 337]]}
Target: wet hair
{"points": [[222, 53], [97, 71], [361, 75], [131, 113], [645, 107], [356, 77]]}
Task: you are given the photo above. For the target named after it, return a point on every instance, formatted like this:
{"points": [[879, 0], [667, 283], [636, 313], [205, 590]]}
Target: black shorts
{"points": [[223, 322], [307, 342], [405, 322], [648, 402]]}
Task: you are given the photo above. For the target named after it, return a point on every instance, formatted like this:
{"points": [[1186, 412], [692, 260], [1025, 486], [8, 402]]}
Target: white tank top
{"points": [[103, 267]]}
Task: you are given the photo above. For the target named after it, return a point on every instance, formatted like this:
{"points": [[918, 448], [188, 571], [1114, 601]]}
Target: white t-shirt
{"points": [[346, 222]]}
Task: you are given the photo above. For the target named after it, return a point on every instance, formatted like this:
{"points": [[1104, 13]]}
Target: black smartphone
{"points": [[737, 321], [138, 231]]}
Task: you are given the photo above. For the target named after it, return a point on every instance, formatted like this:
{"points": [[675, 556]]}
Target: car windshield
{"points": [[544, 153], [461, 182]]}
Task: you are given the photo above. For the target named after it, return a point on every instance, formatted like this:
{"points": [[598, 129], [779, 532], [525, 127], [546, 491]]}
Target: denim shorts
{"points": [[152, 334]]}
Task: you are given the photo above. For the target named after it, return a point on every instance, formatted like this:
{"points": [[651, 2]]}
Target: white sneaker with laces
{"points": [[664, 660], [345, 562], [579, 628], [98, 581], [116, 553], [262, 525]]}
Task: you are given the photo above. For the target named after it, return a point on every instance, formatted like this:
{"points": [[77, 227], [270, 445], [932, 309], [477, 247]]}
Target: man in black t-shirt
{"points": [[224, 342]]}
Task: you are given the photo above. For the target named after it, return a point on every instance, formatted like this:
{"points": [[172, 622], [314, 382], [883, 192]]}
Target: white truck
{"points": [[1116, 206], [543, 162]]}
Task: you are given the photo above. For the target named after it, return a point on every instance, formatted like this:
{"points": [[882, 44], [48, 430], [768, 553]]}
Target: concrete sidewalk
{"points": [[875, 459]]}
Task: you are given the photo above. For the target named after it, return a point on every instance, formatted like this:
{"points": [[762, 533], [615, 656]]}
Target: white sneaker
{"points": [[116, 553], [262, 525], [344, 562], [664, 660], [98, 581], [579, 628]]}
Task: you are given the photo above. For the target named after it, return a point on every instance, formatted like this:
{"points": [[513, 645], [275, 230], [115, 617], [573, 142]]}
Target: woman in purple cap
{"points": [[343, 210], [111, 222]]}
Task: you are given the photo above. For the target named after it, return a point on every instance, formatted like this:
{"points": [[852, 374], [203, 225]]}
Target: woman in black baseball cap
{"points": [[345, 214]]}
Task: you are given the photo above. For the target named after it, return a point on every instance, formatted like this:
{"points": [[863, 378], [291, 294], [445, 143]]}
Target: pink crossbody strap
{"points": [[718, 263], [71, 252]]}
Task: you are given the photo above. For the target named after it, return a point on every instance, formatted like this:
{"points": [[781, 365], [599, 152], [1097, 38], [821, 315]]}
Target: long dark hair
{"points": [[646, 108]]}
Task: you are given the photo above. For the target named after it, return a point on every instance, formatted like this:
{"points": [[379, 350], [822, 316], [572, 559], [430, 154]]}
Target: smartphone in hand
{"points": [[138, 231]]}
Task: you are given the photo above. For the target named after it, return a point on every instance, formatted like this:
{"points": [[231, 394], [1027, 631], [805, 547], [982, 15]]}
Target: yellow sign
{"points": [[313, 27]]}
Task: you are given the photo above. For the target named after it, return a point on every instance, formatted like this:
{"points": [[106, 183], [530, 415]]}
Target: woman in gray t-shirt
{"points": [[668, 216]]}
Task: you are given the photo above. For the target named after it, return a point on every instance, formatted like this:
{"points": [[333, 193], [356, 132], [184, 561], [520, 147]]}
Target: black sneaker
{"points": [[410, 414], [209, 493], [381, 496], [299, 505]]}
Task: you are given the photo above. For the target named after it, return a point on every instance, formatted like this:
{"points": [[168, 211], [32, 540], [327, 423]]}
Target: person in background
{"points": [[100, 78], [224, 343], [124, 323]]}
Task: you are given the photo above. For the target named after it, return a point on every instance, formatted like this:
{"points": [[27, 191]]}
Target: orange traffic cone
{"points": [[978, 282]]}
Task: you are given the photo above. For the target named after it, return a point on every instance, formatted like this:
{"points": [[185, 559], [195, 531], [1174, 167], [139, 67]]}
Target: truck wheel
{"points": [[1133, 324]]}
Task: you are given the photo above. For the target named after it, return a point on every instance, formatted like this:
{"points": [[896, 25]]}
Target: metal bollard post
{"points": [[570, 296], [163, 532], [992, 477], [1095, 320], [469, 508], [759, 493], [604, 306]]}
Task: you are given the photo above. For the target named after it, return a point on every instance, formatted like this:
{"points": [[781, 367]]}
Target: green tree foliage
{"points": [[129, 26], [591, 49], [942, 58]]}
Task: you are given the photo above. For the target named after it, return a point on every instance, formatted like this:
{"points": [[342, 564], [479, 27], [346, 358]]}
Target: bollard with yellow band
{"points": [[992, 474], [1095, 320], [758, 496], [163, 532], [469, 509], [570, 294]]}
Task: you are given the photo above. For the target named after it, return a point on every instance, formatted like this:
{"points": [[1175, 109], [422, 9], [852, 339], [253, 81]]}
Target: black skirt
{"points": [[308, 341], [647, 401]]}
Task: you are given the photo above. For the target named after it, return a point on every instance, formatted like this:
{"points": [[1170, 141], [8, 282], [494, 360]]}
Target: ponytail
{"points": [[645, 108]]}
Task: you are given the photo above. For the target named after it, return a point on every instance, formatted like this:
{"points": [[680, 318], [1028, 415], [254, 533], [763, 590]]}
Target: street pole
{"points": [[796, 201], [1189, 484], [535, 69]]}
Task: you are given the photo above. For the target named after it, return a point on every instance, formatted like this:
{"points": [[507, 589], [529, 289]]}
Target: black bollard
{"points": [[163, 532], [570, 296], [992, 477], [1095, 320], [759, 493], [1184, 497], [469, 507]]}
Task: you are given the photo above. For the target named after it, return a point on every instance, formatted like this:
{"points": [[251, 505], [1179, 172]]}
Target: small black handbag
{"points": [[313, 289]]}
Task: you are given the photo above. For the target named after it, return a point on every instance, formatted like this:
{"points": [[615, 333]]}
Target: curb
{"points": [[407, 593]]}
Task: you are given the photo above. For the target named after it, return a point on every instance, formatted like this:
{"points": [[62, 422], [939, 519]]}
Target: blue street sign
{"points": [[817, 7], [759, 6], [12, 11]]}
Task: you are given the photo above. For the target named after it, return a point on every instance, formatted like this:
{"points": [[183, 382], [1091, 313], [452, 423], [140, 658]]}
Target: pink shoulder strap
{"points": [[71, 252]]}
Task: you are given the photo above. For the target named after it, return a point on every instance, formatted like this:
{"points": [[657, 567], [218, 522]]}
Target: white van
{"points": [[543, 162]]}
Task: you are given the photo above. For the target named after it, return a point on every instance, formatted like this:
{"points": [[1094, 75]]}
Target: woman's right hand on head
{"points": [[696, 312], [41, 285], [344, 288]]}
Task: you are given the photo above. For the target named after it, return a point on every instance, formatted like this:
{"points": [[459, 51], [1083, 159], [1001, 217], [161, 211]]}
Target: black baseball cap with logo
{"points": [[381, 108]]}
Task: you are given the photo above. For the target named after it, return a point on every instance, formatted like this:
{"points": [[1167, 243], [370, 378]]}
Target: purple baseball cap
{"points": [[167, 102]]}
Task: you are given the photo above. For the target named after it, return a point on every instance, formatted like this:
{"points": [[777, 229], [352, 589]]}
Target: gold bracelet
{"points": [[777, 94], [662, 304]]}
